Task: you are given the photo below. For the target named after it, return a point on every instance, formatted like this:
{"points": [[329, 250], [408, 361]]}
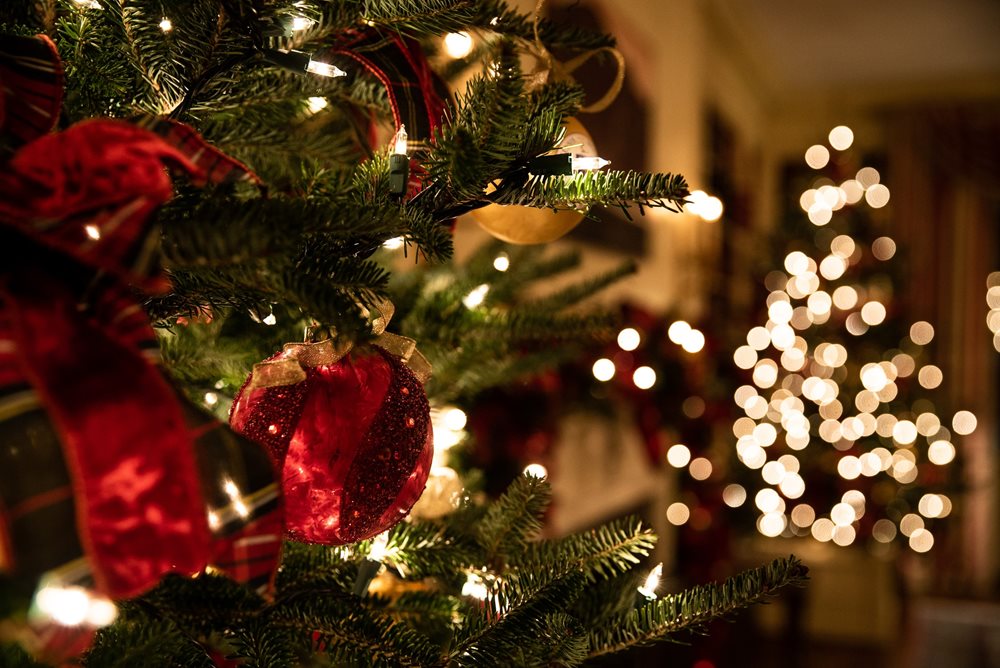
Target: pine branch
{"points": [[602, 553], [607, 188], [514, 519], [690, 609]]}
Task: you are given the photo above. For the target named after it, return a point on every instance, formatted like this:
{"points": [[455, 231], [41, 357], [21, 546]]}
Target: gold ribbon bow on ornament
{"points": [[548, 68], [291, 364]]}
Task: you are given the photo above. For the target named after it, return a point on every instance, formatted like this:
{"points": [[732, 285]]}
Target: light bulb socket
{"points": [[559, 164], [295, 61], [399, 173]]}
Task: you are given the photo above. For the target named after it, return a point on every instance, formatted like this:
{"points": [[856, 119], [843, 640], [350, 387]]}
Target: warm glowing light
{"points": [[644, 377], [930, 505], [628, 339], [166, 25], [904, 432], [803, 515], [910, 523], [73, 606], [745, 357], [393, 244], [324, 69], [694, 341], [921, 540], [454, 419], [842, 514], [845, 297], [773, 473], [844, 535], [501, 262], [796, 263], [400, 141], [768, 501], [964, 423], [379, 547], [930, 377], [536, 471], [678, 331], [832, 267], [867, 177], [841, 137], [940, 452], [211, 398], [700, 468], [873, 377], [588, 163], [853, 191], [678, 455], [883, 248], [758, 338], [301, 23], [822, 530], [604, 369], [873, 313], [849, 467], [652, 582], [92, 231], [678, 513], [458, 44], [877, 196], [817, 156], [734, 495], [476, 297], [771, 524], [474, 587]]}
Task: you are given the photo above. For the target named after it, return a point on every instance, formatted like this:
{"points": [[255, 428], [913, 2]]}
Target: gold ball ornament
{"points": [[526, 225]]}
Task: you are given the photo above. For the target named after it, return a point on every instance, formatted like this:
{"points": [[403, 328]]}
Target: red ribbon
{"points": [[74, 231]]}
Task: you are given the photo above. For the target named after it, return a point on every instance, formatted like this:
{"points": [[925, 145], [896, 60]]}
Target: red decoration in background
{"points": [[353, 441]]}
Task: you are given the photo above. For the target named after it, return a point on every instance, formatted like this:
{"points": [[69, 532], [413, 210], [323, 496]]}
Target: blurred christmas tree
{"points": [[838, 419], [127, 508]]}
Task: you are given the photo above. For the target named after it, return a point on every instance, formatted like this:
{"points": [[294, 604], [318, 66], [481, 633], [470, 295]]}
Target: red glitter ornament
{"points": [[351, 435]]}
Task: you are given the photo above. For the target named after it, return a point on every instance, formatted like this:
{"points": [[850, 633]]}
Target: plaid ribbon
{"points": [[31, 87], [416, 93], [91, 435]]}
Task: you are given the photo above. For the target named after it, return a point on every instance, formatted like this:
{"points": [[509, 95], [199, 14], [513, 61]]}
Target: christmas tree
{"points": [[304, 143]]}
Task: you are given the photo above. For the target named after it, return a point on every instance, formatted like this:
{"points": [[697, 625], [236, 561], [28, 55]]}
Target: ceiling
{"points": [[801, 45]]}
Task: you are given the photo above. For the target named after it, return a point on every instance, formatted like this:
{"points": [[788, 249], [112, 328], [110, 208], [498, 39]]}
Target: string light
{"points": [[604, 369], [652, 582], [644, 377], [270, 319], [302, 62], [476, 296], [394, 244], [536, 470], [458, 44], [74, 606], [501, 262], [475, 587], [628, 339], [92, 231], [301, 23], [317, 104], [87, 4], [707, 207], [166, 25]]}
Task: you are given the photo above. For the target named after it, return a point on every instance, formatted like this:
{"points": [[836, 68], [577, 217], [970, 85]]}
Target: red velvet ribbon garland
{"points": [[86, 194]]}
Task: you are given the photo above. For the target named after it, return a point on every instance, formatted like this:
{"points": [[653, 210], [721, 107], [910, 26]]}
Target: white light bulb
{"points": [[604, 369], [393, 244], [628, 339], [166, 25], [476, 297], [501, 262], [380, 543], [536, 470], [92, 231], [458, 44], [325, 69], [644, 377], [317, 104], [648, 588], [301, 23], [399, 141], [583, 163], [475, 587]]}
